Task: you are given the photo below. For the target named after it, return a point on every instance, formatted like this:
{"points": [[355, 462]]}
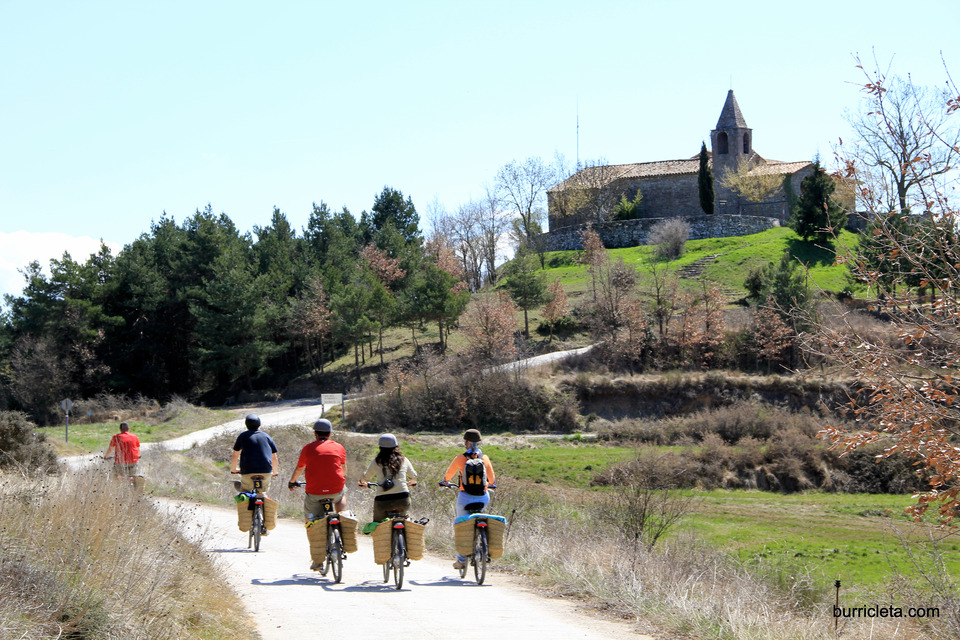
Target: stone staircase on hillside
{"points": [[693, 271]]}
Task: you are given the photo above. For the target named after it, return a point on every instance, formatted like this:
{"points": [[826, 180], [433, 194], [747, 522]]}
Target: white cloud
{"points": [[19, 248]]}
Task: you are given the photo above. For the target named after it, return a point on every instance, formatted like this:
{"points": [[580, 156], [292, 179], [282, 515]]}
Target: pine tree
{"points": [[526, 286], [705, 181], [816, 214]]}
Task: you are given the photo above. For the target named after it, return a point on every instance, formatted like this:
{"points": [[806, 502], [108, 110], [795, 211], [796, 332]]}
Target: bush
{"points": [[108, 407], [563, 326], [22, 447], [450, 401], [756, 446], [669, 237]]}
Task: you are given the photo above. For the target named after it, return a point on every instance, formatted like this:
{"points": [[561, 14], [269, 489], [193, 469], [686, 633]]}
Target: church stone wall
{"points": [[664, 196], [632, 233]]}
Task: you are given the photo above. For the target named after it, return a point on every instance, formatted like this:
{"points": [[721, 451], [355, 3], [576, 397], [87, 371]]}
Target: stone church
{"points": [[669, 189]]}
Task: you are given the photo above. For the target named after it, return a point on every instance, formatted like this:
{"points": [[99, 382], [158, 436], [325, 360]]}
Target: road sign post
{"points": [[330, 399], [66, 405]]}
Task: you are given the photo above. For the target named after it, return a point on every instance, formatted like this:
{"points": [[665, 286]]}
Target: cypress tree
{"points": [[705, 181]]}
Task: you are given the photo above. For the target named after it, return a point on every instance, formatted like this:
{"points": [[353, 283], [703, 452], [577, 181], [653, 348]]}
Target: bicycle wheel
{"points": [[335, 556], [399, 556], [480, 555], [256, 527], [388, 564]]}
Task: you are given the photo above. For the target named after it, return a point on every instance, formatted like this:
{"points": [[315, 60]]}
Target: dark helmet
{"points": [[471, 435], [252, 421], [322, 426]]}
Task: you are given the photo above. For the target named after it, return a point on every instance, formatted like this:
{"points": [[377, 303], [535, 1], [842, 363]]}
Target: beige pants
{"points": [[313, 504], [126, 469], [246, 481]]}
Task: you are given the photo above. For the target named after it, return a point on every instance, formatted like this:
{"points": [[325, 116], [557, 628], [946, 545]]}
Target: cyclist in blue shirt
{"points": [[254, 453]]}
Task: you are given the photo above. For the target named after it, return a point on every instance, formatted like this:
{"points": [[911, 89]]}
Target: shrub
{"points": [[449, 401], [758, 446], [670, 237], [23, 448], [562, 326]]}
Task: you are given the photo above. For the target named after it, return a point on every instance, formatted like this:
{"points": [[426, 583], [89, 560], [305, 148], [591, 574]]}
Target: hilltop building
{"points": [[669, 189]]}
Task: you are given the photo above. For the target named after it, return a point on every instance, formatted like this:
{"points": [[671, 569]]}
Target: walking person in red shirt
{"points": [[125, 450]]}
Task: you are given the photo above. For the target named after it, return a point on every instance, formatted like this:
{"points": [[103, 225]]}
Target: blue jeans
{"points": [[463, 499]]}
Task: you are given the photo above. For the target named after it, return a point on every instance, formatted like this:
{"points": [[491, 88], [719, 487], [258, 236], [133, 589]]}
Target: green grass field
{"points": [[855, 538], [84, 437], [827, 536], [736, 256], [570, 465]]}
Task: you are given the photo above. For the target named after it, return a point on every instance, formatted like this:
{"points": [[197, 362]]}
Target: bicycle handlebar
{"points": [[451, 485], [298, 483]]}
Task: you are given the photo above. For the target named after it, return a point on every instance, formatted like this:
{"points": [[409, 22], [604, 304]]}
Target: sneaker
{"points": [[264, 532], [458, 565], [316, 566]]}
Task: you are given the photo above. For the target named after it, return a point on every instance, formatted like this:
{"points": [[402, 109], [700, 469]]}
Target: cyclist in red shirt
{"points": [[125, 450], [325, 464]]}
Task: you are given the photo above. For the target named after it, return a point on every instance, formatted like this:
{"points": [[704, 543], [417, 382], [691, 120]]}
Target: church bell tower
{"points": [[730, 143]]}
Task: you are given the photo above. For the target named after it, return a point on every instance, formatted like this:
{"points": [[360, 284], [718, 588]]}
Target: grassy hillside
{"points": [[726, 261], [732, 259]]}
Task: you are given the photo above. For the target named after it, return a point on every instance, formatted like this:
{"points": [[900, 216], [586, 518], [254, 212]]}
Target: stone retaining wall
{"points": [[632, 233]]}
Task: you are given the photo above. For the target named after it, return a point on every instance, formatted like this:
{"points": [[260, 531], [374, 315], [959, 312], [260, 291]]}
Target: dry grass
{"points": [[685, 588], [85, 558]]}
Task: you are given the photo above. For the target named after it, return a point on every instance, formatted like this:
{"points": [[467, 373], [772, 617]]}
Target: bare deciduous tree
{"points": [[591, 191], [905, 138], [644, 504], [558, 307], [309, 318], [753, 181], [494, 227], [489, 324], [663, 295], [522, 188], [911, 385], [463, 232]]}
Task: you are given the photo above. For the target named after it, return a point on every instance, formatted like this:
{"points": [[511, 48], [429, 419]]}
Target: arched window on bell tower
{"points": [[746, 144], [722, 145]]}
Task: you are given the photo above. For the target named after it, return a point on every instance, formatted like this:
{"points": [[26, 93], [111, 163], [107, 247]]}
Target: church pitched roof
{"points": [[605, 174], [730, 117], [777, 167]]}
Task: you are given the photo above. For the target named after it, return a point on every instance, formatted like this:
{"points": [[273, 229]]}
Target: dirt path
{"points": [[289, 601]]}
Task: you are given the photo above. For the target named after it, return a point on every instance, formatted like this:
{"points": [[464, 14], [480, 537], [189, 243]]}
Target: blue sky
{"points": [[112, 113]]}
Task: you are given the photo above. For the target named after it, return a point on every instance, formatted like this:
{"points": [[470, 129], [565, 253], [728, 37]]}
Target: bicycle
{"points": [[480, 554], [398, 559], [136, 481], [257, 526], [335, 554]]}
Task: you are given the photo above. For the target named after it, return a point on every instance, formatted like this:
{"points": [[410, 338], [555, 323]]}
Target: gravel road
{"points": [[290, 601]]}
